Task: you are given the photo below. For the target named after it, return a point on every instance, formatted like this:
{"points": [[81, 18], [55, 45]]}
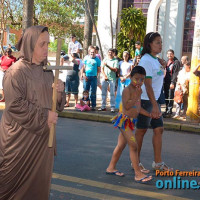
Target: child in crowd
{"points": [[84, 102], [125, 121], [137, 60]]}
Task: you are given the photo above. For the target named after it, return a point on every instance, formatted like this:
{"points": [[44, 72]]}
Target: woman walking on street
{"points": [[151, 92]]}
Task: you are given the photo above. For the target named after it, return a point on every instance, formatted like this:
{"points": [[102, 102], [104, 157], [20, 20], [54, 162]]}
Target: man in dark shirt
{"points": [[172, 69]]}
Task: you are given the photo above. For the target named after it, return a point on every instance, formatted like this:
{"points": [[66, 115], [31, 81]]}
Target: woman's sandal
{"points": [[143, 169], [161, 166]]}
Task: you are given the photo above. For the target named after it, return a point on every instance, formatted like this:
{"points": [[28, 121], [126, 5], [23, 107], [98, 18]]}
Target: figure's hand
{"points": [[155, 113], [86, 78], [59, 86], [138, 91], [171, 86], [106, 78], [122, 79], [52, 118]]}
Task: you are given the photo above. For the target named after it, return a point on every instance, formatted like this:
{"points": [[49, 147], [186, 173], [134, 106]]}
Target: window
{"points": [[142, 4], [127, 3], [190, 15]]}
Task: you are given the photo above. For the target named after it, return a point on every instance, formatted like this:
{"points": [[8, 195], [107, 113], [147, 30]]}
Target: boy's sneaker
{"points": [[112, 110], [102, 109]]}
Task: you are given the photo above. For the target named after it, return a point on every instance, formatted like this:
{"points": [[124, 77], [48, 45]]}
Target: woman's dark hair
{"points": [[138, 70], [148, 39], [75, 55], [96, 48]]}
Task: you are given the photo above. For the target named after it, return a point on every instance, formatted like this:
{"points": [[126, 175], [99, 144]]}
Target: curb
{"points": [[107, 119]]}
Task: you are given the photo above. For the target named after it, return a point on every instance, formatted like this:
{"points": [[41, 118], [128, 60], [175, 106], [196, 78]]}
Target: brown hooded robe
{"points": [[26, 162]]}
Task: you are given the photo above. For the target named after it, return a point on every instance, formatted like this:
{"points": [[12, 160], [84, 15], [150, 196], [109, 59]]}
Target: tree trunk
{"points": [[4, 7], [116, 26], [88, 26], [27, 13], [192, 111], [111, 24]]}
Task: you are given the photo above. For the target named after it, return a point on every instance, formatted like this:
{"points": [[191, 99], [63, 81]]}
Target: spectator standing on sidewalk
{"points": [[109, 69], [183, 86], [72, 79], [184, 60], [125, 67], [138, 48], [99, 74], [172, 69], [91, 68], [74, 46], [117, 73], [5, 62], [151, 91]]}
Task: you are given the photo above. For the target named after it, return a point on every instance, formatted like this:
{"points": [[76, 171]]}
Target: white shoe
{"points": [[161, 166], [176, 117], [112, 110]]}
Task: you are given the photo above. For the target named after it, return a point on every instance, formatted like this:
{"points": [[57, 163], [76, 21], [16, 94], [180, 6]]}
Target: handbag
{"points": [[178, 96]]}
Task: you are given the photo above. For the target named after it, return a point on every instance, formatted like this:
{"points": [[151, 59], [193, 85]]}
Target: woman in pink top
{"points": [[5, 62]]}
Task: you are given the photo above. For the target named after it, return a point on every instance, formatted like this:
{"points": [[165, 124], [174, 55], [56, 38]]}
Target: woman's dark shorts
{"points": [[143, 122], [71, 85]]}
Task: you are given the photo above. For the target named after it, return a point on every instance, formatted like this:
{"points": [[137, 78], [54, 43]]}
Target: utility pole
{"points": [[192, 111], [27, 13]]}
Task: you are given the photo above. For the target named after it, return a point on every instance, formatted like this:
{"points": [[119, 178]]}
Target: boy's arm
{"points": [[127, 102], [144, 112]]}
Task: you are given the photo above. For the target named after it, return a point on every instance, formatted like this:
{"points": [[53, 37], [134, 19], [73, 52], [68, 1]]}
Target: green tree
{"points": [[132, 29], [59, 15]]}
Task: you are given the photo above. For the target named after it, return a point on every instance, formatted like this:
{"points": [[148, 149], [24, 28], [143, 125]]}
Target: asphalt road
{"points": [[84, 149]]}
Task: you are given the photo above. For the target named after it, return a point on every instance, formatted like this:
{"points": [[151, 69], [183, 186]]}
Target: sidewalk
{"points": [[180, 125], [105, 116]]}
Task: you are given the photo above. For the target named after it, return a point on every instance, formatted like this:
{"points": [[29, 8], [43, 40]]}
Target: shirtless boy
{"points": [[125, 121]]}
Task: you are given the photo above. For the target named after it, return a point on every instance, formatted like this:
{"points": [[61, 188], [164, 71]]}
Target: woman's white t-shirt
{"points": [[125, 67], [155, 71]]}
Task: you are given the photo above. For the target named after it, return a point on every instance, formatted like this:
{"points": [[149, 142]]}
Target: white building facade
{"points": [[173, 19]]}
